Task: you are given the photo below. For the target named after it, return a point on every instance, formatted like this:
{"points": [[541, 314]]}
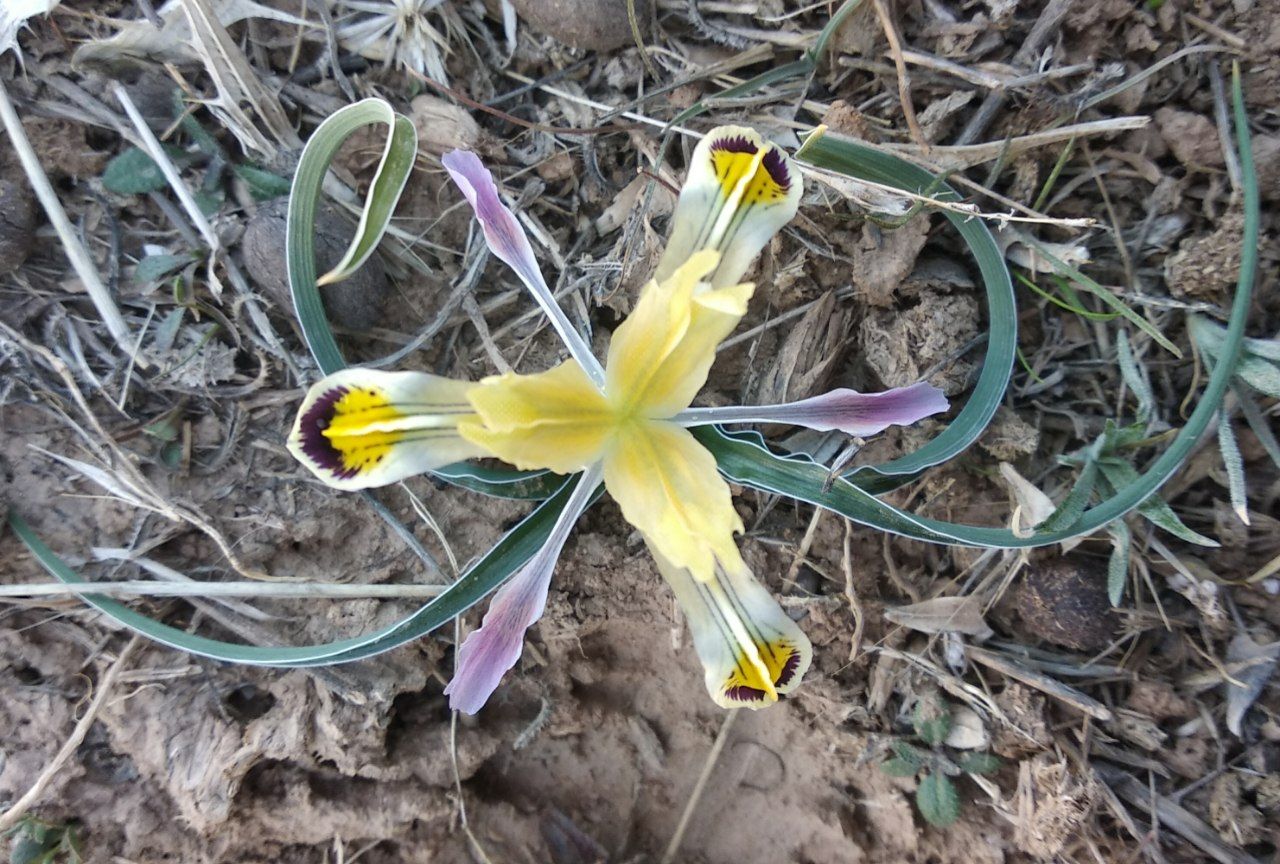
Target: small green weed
{"points": [[36, 842], [936, 796]]}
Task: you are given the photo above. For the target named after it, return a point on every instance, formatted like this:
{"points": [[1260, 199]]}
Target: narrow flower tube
{"points": [[751, 651], [492, 649], [507, 240], [360, 428], [843, 410], [740, 191]]}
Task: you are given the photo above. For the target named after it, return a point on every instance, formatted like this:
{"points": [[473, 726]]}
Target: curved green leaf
{"points": [[389, 182], [513, 550], [744, 458], [859, 161]]}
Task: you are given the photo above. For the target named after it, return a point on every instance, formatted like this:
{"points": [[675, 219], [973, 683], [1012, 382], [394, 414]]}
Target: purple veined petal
{"points": [[844, 410], [751, 650], [490, 651], [507, 240]]}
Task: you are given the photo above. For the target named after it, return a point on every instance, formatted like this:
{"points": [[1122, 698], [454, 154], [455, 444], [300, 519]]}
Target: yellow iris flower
{"points": [[623, 423]]}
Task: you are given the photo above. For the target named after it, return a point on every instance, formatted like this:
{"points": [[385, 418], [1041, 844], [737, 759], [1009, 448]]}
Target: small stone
{"points": [[354, 303], [1065, 602], [592, 25], [443, 126]]}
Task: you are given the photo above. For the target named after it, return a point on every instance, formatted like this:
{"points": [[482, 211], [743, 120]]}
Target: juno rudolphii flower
{"points": [[624, 423]]}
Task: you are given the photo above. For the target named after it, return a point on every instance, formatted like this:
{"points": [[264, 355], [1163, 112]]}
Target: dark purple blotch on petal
{"points": [[735, 144], [743, 693], [318, 448], [788, 670], [776, 165]]}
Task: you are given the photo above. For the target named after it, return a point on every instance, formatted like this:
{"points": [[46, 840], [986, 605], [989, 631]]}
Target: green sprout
{"points": [[936, 795], [37, 842]]}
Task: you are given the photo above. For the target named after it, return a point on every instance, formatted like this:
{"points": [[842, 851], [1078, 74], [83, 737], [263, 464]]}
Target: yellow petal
{"points": [[667, 486], [360, 428], [556, 419], [740, 191], [750, 648], [660, 356]]}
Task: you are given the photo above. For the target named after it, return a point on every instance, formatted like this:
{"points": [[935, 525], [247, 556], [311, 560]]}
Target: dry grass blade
{"points": [[71, 245], [308, 590], [1043, 683]]}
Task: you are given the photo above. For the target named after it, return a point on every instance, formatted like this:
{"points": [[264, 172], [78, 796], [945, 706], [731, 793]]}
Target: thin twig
{"points": [[673, 848], [15, 813], [904, 78], [1045, 28]]}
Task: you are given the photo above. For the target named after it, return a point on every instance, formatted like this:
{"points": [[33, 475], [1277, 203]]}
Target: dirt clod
{"points": [[592, 25], [901, 346], [1065, 602], [355, 303], [1205, 265], [1192, 138]]}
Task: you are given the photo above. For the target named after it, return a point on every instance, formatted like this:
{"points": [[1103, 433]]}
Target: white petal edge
{"points": [[711, 215], [734, 621], [425, 411]]}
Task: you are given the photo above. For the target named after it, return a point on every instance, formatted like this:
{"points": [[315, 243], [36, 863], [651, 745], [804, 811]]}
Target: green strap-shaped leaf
{"points": [[1117, 305], [394, 168], [512, 551], [861, 162], [1118, 563], [389, 182], [393, 173], [743, 457], [1069, 511]]}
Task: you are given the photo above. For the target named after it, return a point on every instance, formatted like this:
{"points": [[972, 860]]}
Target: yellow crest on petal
{"points": [[361, 428], [751, 650]]}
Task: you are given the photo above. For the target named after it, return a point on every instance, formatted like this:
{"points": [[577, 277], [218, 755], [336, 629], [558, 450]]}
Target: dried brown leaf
{"points": [[943, 615]]}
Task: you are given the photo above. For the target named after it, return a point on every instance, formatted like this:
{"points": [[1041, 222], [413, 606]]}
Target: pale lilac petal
{"points": [[487, 653], [848, 411], [502, 229], [507, 240]]}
